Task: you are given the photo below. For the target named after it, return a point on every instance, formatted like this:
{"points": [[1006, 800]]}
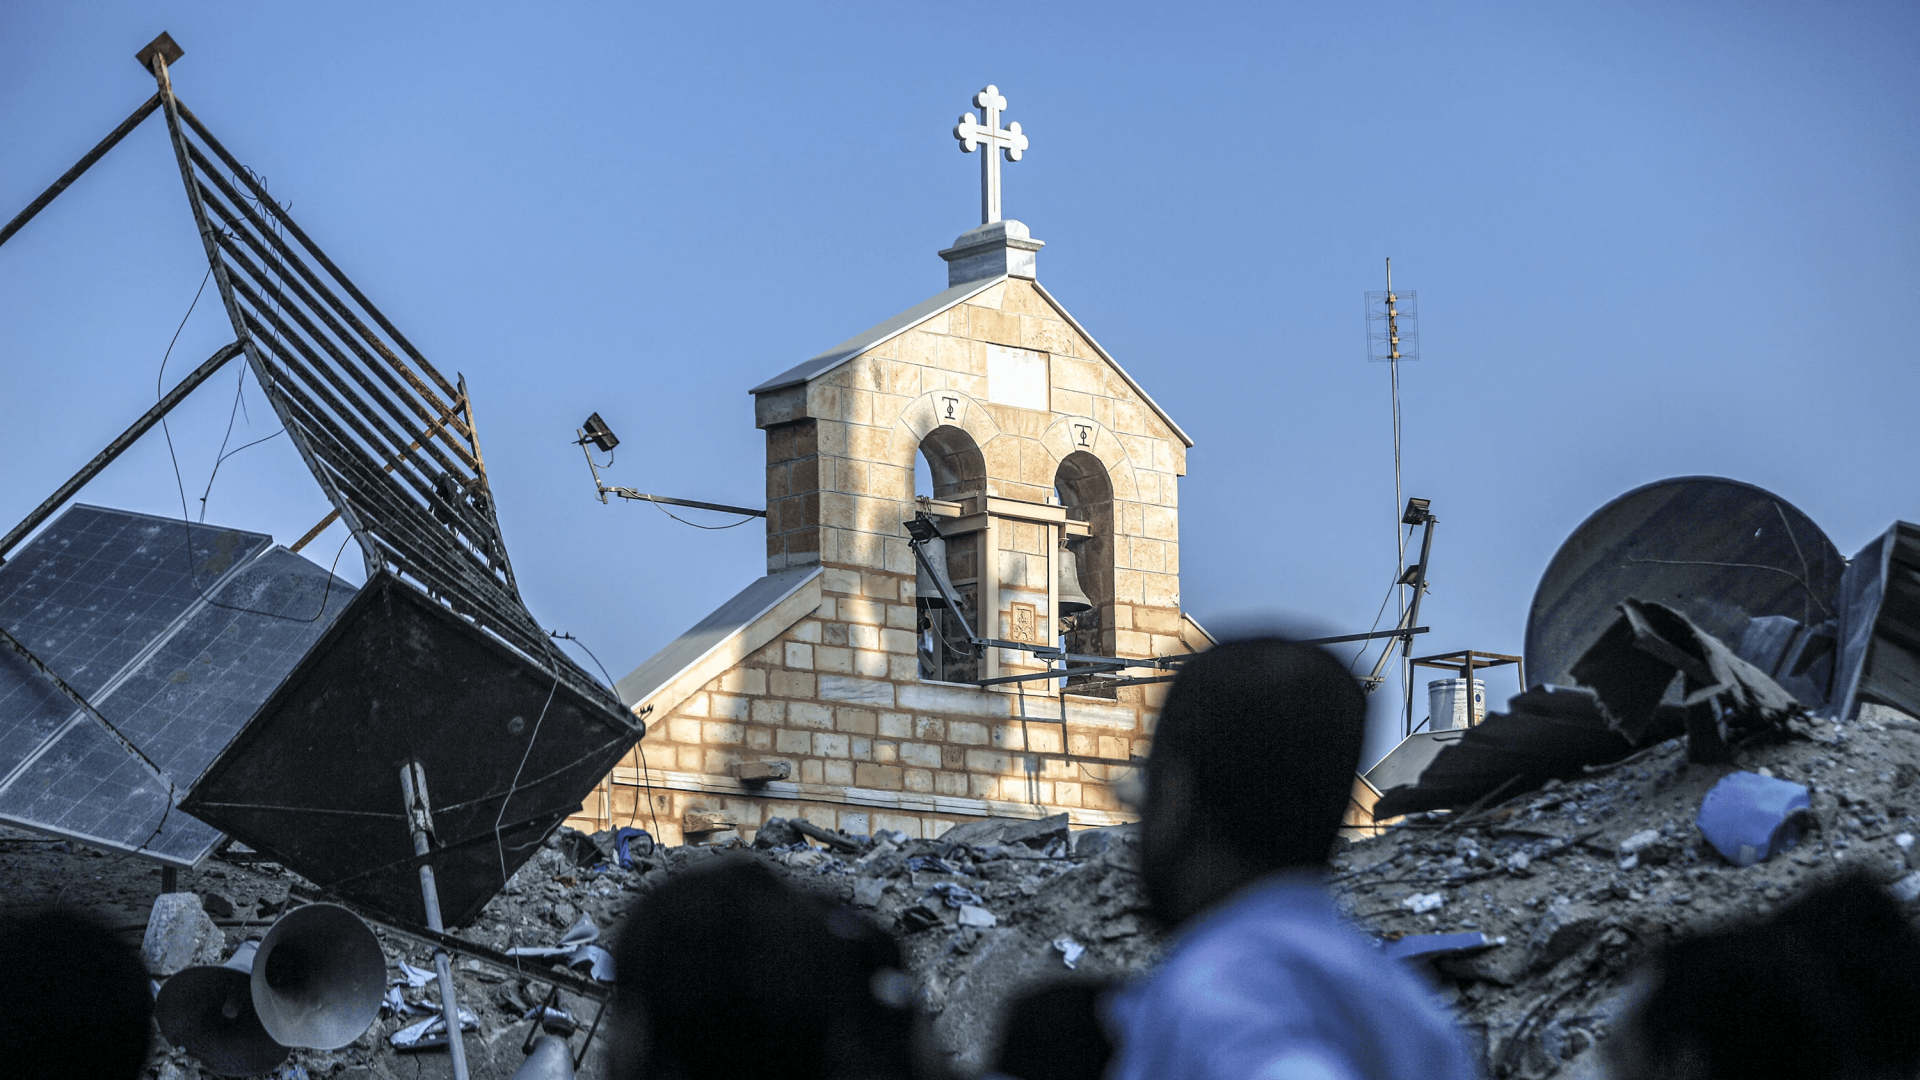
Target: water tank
{"points": [[1447, 703]]}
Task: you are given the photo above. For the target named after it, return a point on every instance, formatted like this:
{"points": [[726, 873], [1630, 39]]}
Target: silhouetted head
{"points": [[726, 971], [1054, 1033], [75, 1000], [1828, 987], [1251, 768]]}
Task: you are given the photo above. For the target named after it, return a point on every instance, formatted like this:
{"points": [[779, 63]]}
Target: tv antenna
{"points": [[1393, 335]]}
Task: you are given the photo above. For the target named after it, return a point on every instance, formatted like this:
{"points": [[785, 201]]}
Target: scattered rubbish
{"points": [[1879, 647], [1431, 946], [431, 1032], [576, 949], [975, 915], [414, 977], [1723, 697], [867, 892], [1422, 903], [1070, 951], [954, 895], [1749, 818], [630, 843], [930, 864], [1032, 832]]}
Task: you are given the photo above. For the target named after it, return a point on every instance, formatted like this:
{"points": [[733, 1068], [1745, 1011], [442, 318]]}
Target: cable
{"points": [[179, 482], [498, 845], [712, 528], [640, 746]]}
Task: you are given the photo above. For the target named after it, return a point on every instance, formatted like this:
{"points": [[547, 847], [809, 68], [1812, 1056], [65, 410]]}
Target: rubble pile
{"points": [[1530, 915], [1573, 885]]}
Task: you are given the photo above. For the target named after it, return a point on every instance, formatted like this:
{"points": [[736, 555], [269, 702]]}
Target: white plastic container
{"points": [[1447, 703]]}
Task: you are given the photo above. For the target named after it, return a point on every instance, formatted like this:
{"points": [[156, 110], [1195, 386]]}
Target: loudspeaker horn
{"points": [[208, 1011], [551, 1060], [319, 978]]}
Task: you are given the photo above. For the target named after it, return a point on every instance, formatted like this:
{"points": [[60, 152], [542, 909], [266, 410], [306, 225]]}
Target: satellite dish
{"points": [[1719, 550]]}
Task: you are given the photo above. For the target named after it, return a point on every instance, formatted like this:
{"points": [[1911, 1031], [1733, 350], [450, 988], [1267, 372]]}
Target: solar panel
{"points": [[176, 633]]}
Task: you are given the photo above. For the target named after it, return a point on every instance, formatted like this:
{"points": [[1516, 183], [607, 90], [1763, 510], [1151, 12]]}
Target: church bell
{"points": [[935, 550], [1073, 600]]}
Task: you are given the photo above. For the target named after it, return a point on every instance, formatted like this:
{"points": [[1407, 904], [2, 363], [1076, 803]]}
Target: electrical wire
{"points": [[645, 784], [500, 846]]}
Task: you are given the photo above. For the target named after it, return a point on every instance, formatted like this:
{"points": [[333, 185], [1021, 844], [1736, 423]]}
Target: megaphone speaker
{"points": [[551, 1060], [319, 978], [208, 1011]]}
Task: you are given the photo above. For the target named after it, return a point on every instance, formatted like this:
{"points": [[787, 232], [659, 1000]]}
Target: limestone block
{"points": [[180, 934], [768, 711], [750, 681], [886, 751], [922, 754], [808, 714], [1009, 737], [896, 725], [759, 738], [860, 748], [717, 762], [851, 689], [855, 721], [791, 684], [871, 664], [721, 733], [837, 772], [918, 780], [883, 777], [687, 759], [950, 783], [903, 668], [988, 761], [1044, 739], [967, 733], [811, 772], [828, 744], [789, 741], [827, 658]]}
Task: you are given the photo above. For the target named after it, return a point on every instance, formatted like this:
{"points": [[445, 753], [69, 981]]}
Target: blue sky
{"points": [[1648, 240]]}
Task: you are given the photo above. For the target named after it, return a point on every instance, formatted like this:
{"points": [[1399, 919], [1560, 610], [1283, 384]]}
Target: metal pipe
{"points": [[118, 446], [413, 785], [629, 493], [67, 178]]}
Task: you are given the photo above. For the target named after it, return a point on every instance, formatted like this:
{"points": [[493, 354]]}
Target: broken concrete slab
{"points": [[180, 934], [1005, 831]]}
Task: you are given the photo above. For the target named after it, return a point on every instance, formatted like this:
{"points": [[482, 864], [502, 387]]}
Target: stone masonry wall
{"points": [[838, 697]]}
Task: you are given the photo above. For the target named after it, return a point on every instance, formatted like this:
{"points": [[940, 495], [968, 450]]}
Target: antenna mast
{"points": [[1392, 336]]}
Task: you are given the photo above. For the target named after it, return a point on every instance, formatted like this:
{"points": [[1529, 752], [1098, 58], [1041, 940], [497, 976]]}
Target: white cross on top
{"points": [[990, 135]]}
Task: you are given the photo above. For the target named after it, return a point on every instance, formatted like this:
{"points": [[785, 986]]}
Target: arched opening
{"points": [[1087, 493], [950, 467]]}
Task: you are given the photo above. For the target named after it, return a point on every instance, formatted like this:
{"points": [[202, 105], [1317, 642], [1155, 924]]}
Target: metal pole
{"points": [[413, 785], [118, 446], [113, 139]]}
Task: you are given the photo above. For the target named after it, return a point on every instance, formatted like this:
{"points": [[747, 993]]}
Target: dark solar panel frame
{"points": [[176, 633]]}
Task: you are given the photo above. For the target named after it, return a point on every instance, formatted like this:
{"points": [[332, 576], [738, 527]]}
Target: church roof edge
{"points": [[820, 364], [1178, 432]]}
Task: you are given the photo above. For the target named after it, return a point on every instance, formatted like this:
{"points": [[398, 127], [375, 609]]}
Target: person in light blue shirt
{"points": [[1251, 768]]}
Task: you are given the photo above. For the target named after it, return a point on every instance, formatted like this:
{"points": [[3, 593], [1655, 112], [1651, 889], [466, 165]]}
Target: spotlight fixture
{"points": [[599, 434]]}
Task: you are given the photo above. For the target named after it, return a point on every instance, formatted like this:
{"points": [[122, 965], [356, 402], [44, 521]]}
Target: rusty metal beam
{"points": [[118, 446], [67, 178]]}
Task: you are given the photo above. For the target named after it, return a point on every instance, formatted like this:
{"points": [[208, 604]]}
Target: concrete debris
{"points": [[1569, 888], [180, 934]]}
